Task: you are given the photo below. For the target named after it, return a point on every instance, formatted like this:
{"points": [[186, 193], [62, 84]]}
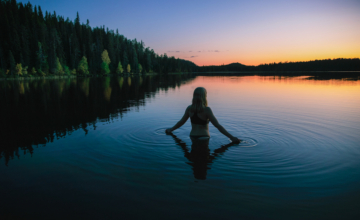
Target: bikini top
{"points": [[196, 120]]}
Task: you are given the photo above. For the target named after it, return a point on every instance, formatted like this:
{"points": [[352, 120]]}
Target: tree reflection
{"points": [[84, 85], [107, 89], [35, 112]]}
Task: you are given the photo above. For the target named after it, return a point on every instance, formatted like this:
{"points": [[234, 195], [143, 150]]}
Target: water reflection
{"points": [[306, 159], [328, 75], [35, 112], [199, 155]]}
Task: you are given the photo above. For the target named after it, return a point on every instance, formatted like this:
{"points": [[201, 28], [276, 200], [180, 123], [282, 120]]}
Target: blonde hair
{"points": [[199, 101]]}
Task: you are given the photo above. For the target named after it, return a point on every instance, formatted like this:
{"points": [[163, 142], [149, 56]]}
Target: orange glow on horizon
{"points": [[256, 59], [249, 62], [282, 46], [257, 63]]}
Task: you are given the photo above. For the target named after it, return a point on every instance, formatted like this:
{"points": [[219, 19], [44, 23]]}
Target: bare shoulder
{"points": [[188, 108], [208, 110]]}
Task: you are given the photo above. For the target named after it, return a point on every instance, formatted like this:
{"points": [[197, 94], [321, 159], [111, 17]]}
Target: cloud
{"points": [[177, 51], [190, 51], [193, 56], [216, 51], [199, 51]]}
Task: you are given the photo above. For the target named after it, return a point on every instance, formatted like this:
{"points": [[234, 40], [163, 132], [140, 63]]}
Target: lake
{"points": [[95, 148]]}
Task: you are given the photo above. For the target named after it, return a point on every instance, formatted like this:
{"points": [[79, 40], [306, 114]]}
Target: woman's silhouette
{"points": [[200, 115]]}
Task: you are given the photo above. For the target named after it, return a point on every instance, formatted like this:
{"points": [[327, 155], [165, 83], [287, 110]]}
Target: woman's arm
{"points": [[215, 122], [180, 123]]}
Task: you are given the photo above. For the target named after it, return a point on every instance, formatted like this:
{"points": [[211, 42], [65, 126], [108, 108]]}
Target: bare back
{"points": [[199, 129]]}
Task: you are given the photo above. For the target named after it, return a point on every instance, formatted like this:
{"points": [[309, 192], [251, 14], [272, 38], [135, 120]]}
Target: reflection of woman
{"points": [[199, 155], [200, 115]]}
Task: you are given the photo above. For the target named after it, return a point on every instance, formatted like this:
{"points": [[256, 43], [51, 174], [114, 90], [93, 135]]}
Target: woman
{"points": [[200, 115]]}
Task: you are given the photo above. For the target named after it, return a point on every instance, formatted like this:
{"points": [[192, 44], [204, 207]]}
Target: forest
{"points": [[36, 44]]}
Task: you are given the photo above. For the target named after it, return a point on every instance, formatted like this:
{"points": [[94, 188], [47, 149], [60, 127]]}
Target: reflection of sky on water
{"points": [[70, 105]]}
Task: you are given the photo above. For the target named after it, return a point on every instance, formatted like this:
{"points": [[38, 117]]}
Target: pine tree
{"points": [[41, 57], [148, 65], [53, 43], [41, 16], [12, 63], [110, 46], [125, 59], [135, 63], [25, 45], [2, 59]]}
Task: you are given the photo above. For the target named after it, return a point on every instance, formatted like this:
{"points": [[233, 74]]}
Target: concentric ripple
{"points": [[248, 142]]}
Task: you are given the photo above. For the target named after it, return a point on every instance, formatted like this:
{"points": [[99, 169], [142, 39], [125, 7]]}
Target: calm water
{"points": [[96, 148]]}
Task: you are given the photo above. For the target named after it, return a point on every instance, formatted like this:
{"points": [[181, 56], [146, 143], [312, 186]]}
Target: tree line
{"points": [[34, 43], [339, 64]]}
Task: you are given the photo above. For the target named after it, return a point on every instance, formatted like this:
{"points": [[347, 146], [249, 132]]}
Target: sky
{"points": [[209, 32]]}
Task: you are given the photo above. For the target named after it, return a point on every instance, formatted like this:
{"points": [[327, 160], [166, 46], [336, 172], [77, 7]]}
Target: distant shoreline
{"points": [[220, 73], [254, 72]]}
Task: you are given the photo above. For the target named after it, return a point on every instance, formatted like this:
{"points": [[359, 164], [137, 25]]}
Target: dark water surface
{"points": [[95, 148]]}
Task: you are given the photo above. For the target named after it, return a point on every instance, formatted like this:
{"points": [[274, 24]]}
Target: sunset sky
{"points": [[222, 32]]}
